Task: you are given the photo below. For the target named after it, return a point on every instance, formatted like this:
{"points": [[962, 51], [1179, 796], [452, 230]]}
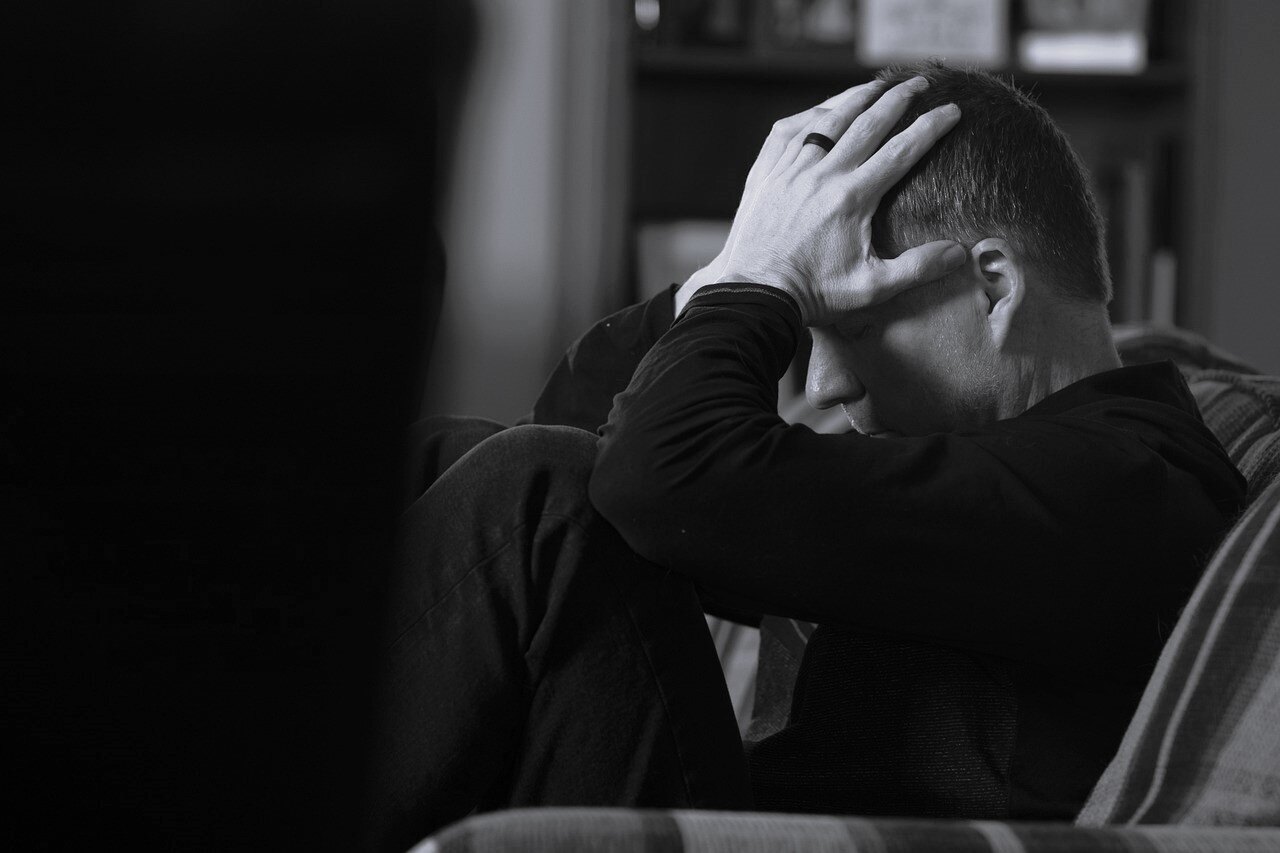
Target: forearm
{"points": [[699, 475]]}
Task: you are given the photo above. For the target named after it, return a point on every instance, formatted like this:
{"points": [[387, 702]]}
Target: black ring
{"points": [[826, 143]]}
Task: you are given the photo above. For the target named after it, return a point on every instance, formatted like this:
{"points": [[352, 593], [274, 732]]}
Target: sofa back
{"points": [[1204, 745]]}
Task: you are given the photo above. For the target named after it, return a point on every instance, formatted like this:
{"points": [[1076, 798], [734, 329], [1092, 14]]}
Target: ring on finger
{"points": [[826, 143]]}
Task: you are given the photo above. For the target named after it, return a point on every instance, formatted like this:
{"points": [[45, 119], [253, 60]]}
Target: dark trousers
{"points": [[533, 658]]}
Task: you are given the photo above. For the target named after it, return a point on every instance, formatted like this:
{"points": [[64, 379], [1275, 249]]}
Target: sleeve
{"points": [[971, 540], [599, 365]]}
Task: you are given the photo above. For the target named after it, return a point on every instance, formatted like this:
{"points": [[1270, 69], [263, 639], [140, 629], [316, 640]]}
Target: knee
{"points": [[550, 463], [534, 448]]}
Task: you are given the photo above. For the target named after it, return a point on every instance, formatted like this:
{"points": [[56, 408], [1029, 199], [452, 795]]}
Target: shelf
{"points": [[690, 63]]}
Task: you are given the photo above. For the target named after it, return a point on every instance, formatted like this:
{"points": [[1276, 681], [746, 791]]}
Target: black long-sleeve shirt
{"points": [[991, 602]]}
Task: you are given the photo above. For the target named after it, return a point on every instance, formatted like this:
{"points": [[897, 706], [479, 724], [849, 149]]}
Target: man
{"points": [[993, 556]]}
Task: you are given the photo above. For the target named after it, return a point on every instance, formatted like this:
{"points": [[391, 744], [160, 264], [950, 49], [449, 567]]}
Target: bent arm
{"points": [[972, 540]]}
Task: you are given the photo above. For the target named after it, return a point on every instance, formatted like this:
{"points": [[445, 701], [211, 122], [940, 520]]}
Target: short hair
{"points": [[1005, 170]]}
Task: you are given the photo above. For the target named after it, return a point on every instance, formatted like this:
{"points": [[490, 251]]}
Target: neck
{"points": [[1072, 343]]}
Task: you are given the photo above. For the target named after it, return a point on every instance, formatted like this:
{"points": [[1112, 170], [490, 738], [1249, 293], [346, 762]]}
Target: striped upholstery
{"points": [[629, 831], [1243, 410], [1241, 406], [1204, 746]]}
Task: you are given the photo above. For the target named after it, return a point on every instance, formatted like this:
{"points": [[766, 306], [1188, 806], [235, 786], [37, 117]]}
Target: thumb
{"points": [[921, 265]]}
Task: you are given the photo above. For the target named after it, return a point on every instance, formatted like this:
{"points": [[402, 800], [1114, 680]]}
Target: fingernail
{"points": [[951, 111], [917, 84], [955, 256]]}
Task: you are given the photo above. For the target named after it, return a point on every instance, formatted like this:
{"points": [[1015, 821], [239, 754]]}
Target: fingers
{"points": [[868, 129], [895, 158], [786, 129], [833, 123], [792, 130], [917, 266]]}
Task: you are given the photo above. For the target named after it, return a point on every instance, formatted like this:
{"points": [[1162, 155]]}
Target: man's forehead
{"points": [[904, 304]]}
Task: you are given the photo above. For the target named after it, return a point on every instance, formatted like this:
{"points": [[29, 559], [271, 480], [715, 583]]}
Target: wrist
{"points": [[772, 280]]}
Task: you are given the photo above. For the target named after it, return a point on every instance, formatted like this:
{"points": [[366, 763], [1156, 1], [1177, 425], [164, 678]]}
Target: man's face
{"points": [[920, 363]]}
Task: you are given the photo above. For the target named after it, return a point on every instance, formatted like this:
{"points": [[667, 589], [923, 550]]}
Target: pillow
{"points": [[1204, 745]]}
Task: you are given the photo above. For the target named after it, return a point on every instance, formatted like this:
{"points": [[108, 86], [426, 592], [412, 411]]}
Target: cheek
{"points": [[912, 356], [924, 367]]}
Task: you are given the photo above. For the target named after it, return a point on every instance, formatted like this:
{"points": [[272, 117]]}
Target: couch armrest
{"points": [[628, 830]]}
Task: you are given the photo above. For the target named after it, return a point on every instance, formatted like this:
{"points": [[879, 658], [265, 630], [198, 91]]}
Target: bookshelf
{"points": [[699, 112]]}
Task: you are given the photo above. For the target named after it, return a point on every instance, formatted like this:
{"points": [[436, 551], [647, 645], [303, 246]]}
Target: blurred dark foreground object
{"points": [[220, 277]]}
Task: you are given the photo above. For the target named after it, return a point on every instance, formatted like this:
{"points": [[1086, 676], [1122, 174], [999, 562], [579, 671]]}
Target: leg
{"points": [[437, 442], [536, 660]]}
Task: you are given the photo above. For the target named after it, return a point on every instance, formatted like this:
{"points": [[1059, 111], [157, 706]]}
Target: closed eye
{"points": [[856, 330]]}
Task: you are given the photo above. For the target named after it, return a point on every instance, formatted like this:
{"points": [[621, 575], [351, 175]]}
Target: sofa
{"points": [[1199, 766]]}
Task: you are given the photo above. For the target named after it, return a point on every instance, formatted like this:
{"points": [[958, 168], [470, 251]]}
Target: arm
{"points": [[599, 365], [996, 541]]}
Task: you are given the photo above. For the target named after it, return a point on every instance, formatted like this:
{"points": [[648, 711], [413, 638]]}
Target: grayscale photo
{"points": [[464, 426]]}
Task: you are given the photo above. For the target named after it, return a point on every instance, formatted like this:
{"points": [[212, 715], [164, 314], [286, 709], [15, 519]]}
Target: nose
{"points": [[831, 380]]}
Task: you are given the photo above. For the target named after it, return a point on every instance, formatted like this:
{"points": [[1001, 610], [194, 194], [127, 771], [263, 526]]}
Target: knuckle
{"points": [[896, 150], [858, 135], [788, 125]]}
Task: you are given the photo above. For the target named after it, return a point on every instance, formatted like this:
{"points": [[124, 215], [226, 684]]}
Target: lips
{"points": [[875, 431]]}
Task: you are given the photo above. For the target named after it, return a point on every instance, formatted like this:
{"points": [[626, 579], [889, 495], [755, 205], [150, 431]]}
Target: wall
{"points": [[531, 226], [1241, 308]]}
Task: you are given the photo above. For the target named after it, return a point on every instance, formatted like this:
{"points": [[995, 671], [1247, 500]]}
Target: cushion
{"points": [[566, 830], [1139, 343], [1243, 410], [1241, 406], [1204, 745]]}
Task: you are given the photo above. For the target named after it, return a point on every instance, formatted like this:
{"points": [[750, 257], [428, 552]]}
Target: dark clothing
{"points": [[991, 602], [532, 658]]}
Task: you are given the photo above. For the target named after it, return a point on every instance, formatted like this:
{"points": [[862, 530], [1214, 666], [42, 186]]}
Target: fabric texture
{"points": [[622, 831], [1204, 745], [1243, 411], [531, 657], [1240, 406]]}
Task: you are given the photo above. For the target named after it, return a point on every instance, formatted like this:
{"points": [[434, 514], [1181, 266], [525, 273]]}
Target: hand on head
{"points": [[804, 222]]}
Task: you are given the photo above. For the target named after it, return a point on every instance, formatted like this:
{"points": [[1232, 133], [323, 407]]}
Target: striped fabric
{"points": [[1241, 406], [628, 831], [1204, 746], [1243, 410]]}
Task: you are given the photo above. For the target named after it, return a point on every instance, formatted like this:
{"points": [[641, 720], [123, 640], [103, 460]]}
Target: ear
{"points": [[1002, 277]]}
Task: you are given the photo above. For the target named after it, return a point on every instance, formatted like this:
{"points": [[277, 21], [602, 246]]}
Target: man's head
{"points": [[1025, 316], [1006, 171]]}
